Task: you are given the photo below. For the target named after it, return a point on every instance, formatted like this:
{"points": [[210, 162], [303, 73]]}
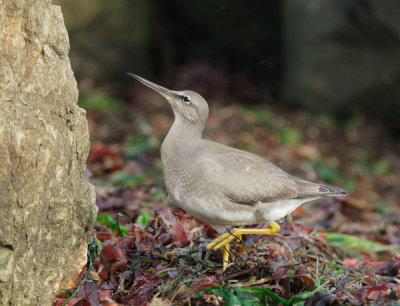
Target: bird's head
{"points": [[186, 104]]}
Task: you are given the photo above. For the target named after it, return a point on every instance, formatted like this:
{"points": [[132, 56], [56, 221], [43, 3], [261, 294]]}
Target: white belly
{"points": [[278, 210], [229, 213]]}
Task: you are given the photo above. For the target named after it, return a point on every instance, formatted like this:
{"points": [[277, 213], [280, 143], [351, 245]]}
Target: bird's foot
{"points": [[236, 233]]}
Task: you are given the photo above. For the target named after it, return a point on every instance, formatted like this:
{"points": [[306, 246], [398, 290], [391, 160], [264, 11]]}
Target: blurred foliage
{"points": [[102, 102], [258, 296], [375, 167], [143, 218], [261, 115], [245, 296], [350, 244], [326, 172], [114, 226], [382, 209], [122, 178], [139, 144], [331, 175], [289, 137]]}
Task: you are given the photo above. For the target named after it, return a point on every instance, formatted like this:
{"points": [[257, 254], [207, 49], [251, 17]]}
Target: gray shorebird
{"points": [[221, 185]]}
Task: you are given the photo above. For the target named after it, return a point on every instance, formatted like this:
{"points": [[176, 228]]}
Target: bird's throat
{"points": [[183, 131], [180, 138]]}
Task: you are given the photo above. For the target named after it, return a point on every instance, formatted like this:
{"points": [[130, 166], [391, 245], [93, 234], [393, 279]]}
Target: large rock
{"points": [[46, 207]]}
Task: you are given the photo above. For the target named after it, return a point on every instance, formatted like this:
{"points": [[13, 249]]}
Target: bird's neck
{"points": [[184, 131], [180, 137]]}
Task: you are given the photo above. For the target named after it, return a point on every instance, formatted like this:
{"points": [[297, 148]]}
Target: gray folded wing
{"points": [[248, 179]]}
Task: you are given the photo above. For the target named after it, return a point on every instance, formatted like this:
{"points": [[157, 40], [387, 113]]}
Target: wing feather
{"points": [[245, 178]]}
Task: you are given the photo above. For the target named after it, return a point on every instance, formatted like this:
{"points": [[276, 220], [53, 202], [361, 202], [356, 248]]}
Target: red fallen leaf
{"points": [[105, 293], [102, 272], [276, 255], [321, 238], [299, 211], [179, 213], [89, 294], [210, 231], [59, 301], [81, 275], [394, 266], [118, 265], [277, 248], [164, 238], [351, 261], [142, 239], [203, 281], [205, 286], [130, 240], [300, 270], [106, 201], [377, 292], [369, 279], [104, 236], [109, 286], [183, 295], [105, 298], [94, 297], [117, 255], [306, 279], [142, 288], [173, 226], [281, 271], [99, 150], [390, 268], [100, 153], [112, 252], [303, 228]]}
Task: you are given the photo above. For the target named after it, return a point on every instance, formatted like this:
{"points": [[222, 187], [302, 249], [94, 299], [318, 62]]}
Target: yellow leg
{"points": [[225, 260], [216, 241], [225, 238]]}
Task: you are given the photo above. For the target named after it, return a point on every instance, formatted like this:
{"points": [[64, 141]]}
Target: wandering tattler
{"points": [[223, 186]]}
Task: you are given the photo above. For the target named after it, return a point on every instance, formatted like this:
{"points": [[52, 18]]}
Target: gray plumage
{"points": [[221, 185]]}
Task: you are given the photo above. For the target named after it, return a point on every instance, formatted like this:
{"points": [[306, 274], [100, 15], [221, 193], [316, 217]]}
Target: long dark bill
{"points": [[157, 88]]}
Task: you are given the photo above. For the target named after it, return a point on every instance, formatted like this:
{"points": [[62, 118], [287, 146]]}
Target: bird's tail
{"points": [[310, 190]]}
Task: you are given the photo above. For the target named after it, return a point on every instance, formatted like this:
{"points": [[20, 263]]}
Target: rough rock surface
{"points": [[46, 207]]}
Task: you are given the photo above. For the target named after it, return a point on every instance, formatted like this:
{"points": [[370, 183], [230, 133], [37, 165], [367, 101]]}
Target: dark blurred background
{"points": [[336, 57]]}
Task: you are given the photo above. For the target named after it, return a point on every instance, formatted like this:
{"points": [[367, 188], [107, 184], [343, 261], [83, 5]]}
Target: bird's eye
{"points": [[186, 99]]}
